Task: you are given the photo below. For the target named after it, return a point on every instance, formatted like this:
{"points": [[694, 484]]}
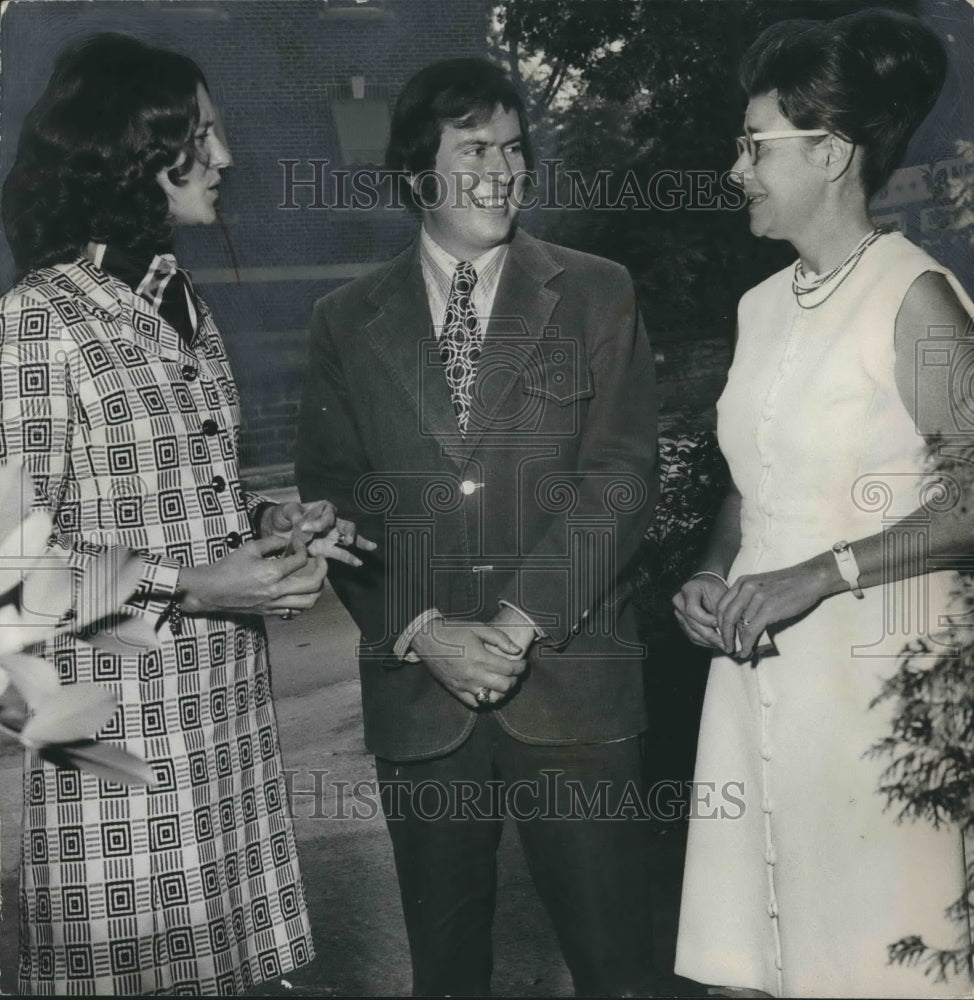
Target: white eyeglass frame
{"points": [[749, 143]]}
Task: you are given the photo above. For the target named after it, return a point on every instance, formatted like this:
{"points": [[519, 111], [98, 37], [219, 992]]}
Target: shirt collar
{"points": [[136, 270], [441, 264], [157, 279]]}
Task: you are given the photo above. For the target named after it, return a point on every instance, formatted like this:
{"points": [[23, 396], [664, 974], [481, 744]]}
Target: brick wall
{"points": [[274, 68], [278, 106]]}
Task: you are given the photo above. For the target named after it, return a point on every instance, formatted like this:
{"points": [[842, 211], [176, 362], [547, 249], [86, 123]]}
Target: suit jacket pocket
{"points": [[558, 370]]}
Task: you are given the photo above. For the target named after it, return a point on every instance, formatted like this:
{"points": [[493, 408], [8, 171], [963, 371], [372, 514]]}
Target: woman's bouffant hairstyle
{"points": [[870, 77], [458, 92], [115, 112]]}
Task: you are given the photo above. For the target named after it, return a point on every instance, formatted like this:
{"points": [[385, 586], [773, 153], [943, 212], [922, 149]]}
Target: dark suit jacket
{"points": [[542, 504]]}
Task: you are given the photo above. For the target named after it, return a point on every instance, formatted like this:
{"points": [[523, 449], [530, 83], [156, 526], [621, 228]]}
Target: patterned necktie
{"points": [[461, 341]]}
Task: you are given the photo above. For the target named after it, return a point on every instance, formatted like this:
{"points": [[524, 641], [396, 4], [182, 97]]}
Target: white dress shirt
{"points": [[438, 270]]}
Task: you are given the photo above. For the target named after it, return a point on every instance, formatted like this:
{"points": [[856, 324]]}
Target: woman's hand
{"points": [[309, 519], [318, 526], [331, 545], [250, 581], [754, 602], [696, 603], [696, 610]]}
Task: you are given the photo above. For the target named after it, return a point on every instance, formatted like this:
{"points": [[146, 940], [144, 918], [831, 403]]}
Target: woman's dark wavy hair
{"points": [[116, 111], [458, 92], [871, 77]]}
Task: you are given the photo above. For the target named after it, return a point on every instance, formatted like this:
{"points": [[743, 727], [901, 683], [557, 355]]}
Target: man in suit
{"points": [[485, 403]]}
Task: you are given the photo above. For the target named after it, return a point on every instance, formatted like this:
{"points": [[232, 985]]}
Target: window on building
{"points": [[362, 124]]}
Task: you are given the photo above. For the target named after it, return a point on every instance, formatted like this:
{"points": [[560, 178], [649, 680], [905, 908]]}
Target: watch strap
{"points": [[845, 560]]}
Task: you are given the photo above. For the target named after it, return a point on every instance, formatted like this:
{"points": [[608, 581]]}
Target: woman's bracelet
{"points": [[710, 572], [173, 612], [174, 615]]}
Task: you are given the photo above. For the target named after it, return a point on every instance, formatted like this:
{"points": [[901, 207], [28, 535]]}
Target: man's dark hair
{"points": [[463, 93], [116, 111]]}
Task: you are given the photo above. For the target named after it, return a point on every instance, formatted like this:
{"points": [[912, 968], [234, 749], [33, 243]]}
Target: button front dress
{"points": [[801, 892], [192, 885]]}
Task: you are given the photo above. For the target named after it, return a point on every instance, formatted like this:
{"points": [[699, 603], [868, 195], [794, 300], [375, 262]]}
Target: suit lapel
{"points": [[401, 333], [402, 336], [522, 310]]}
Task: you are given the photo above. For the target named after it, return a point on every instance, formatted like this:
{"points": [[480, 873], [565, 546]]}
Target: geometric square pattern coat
{"points": [[131, 439]]}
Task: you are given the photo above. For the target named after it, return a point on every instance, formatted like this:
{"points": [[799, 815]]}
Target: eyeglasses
{"points": [[749, 143]]}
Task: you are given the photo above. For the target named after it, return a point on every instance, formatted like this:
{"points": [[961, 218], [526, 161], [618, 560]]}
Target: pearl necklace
{"points": [[805, 289]]}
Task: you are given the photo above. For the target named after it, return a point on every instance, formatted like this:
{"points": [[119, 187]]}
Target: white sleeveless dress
{"points": [[802, 893]]}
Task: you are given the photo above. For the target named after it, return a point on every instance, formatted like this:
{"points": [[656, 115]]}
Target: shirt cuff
{"points": [[528, 620], [160, 577], [401, 650]]}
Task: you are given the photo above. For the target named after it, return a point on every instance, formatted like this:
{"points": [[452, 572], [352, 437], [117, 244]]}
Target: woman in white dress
{"points": [[838, 386]]}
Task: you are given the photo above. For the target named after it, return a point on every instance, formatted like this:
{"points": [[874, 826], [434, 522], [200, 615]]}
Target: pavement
{"points": [[345, 855]]}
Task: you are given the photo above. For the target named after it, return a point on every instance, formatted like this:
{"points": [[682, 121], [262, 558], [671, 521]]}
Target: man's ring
{"points": [[483, 696], [745, 622], [288, 615], [343, 539]]}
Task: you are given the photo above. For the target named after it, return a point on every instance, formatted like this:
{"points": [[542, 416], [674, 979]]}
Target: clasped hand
{"points": [[470, 657], [716, 615]]}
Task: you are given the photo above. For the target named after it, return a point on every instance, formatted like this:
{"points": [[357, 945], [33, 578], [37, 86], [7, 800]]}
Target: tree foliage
{"points": [[636, 87], [930, 745]]}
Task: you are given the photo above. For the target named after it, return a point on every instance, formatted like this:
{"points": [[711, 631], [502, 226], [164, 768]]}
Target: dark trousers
{"points": [[588, 857]]}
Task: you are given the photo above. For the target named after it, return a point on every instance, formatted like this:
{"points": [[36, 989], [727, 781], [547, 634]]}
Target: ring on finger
{"points": [[745, 622], [483, 696], [289, 615]]}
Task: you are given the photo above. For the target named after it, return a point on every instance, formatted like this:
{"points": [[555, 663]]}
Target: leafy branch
{"points": [[931, 741]]}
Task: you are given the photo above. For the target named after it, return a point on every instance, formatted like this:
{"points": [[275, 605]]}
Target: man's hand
{"points": [[470, 658], [515, 627]]}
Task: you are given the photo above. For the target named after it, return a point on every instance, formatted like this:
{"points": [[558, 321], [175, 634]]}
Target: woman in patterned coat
{"points": [[117, 396]]}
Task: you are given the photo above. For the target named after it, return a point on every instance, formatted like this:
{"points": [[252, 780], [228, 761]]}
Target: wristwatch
{"points": [[845, 559]]}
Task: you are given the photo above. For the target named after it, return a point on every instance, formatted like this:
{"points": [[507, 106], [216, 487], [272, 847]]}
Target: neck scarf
{"points": [[158, 280]]}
